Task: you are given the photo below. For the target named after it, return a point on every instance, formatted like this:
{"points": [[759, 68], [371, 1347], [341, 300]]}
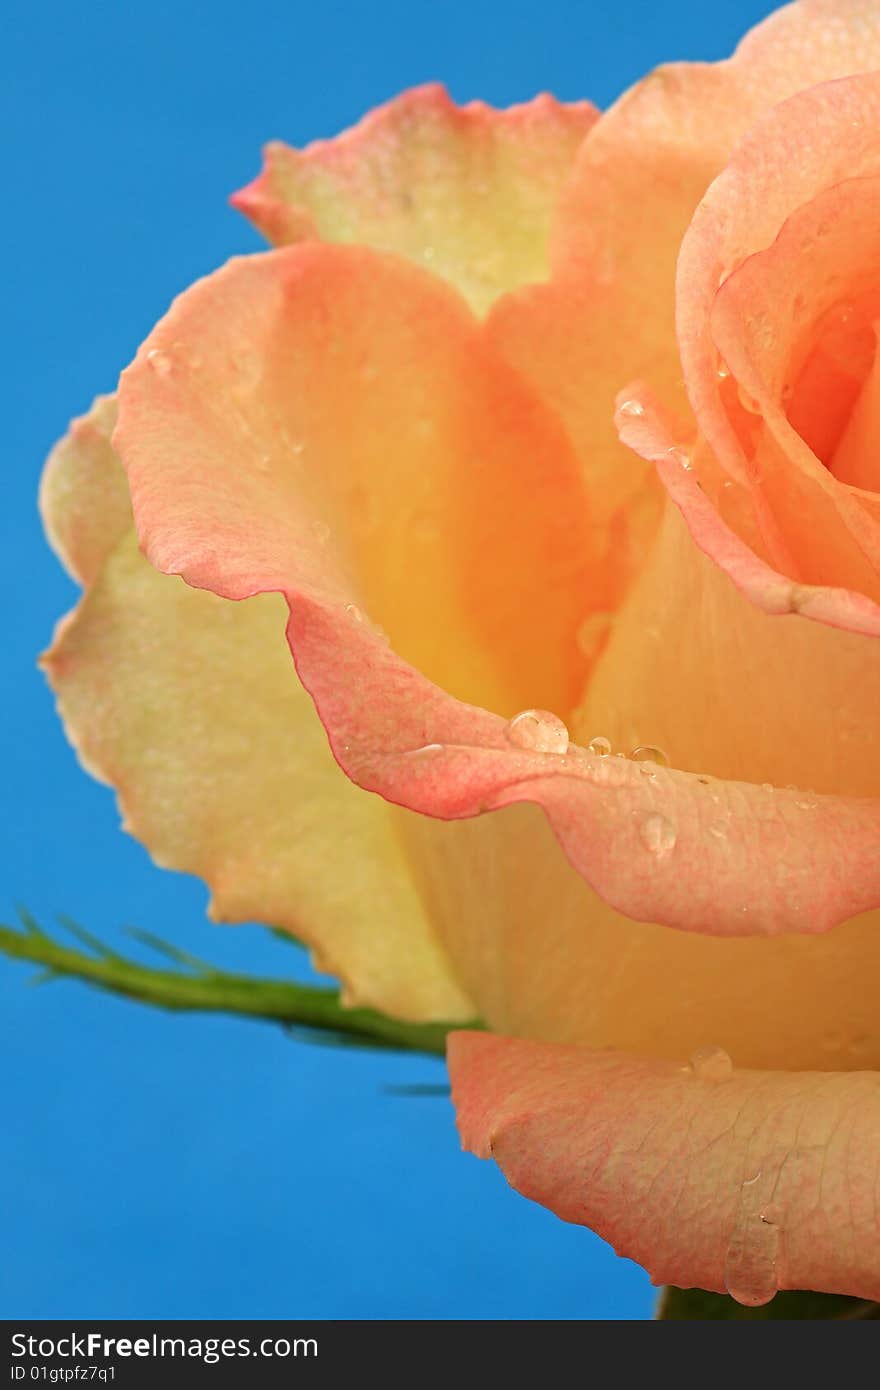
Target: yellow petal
{"points": [[190, 707], [466, 191]]}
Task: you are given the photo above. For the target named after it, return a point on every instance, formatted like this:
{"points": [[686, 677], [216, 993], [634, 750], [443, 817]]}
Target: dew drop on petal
{"points": [[592, 633], [722, 370], [711, 1064], [630, 408], [748, 402], [355, 613], [658, 835], [600, 746], [427, 750], [159, 361], [538, 730], [649, 753], [750, 1265], [681, 457], [719, 829]]}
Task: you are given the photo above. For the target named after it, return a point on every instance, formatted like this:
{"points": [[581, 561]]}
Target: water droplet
{"points": [[748, 402], [247, 367], [538, 730], [159, 361], [806, 803], [297, 446], [321, 532], [723, 370], [711, 1064], [600, 746], [429, 253], [681, 457], [630, 408], [704, 781], [427, 750], [592, 633], [750, 1264], [719, 829], [357, 614], [649, 753], [658, 835]]}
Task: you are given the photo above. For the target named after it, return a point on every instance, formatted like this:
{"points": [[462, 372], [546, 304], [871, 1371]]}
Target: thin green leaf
{"points": [[170, 952], [87, 938], [314, 1013]]}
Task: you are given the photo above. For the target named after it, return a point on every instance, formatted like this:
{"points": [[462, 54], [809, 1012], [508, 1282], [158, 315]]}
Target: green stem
{"points": [[205, 989]]}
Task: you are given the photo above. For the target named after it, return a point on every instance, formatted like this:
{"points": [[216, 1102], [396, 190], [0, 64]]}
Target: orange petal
{"points": [[543, 957], [177, 699], [814, 201], [466, 191], [334, 414], [209, 506], [646, 428], [607, 316], [740, 1181]]}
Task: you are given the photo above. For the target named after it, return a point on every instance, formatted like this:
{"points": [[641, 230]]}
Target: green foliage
{"points": [[308, 1012]]}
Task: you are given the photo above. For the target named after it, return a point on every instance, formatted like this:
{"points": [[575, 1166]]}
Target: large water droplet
{"points": [[538, 730], [600, 746], [711, 1064], [658, 835], [630, 408], [160, 361], [649, 753], [750, 1265]]}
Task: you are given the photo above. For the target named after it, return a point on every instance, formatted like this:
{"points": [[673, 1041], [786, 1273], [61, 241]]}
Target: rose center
{"points": [[833, 400]]}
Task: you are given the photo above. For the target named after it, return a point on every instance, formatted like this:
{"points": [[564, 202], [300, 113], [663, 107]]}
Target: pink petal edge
{"points": [[711, 1177], [790, 862]]}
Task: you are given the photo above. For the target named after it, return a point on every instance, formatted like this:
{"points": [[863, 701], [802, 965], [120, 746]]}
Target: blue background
{"points": [[159, 1166]]}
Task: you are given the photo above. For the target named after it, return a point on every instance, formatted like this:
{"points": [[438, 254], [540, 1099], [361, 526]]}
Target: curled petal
{"points": [[651, 434], [744, 1182], [206, 508], [177, 699], [607, 315], [784, 232]]}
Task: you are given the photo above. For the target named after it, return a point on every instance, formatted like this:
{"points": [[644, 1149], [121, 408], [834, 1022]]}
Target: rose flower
{"points": [[613, 689]]}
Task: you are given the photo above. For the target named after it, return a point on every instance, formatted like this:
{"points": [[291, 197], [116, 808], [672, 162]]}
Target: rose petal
{"points": [[189, 706], [820, 195], [543, 957], [83, 493], [650, 434], [466, 191], [205, 508], [347, 424], [745, 1182], [607, 316]]}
